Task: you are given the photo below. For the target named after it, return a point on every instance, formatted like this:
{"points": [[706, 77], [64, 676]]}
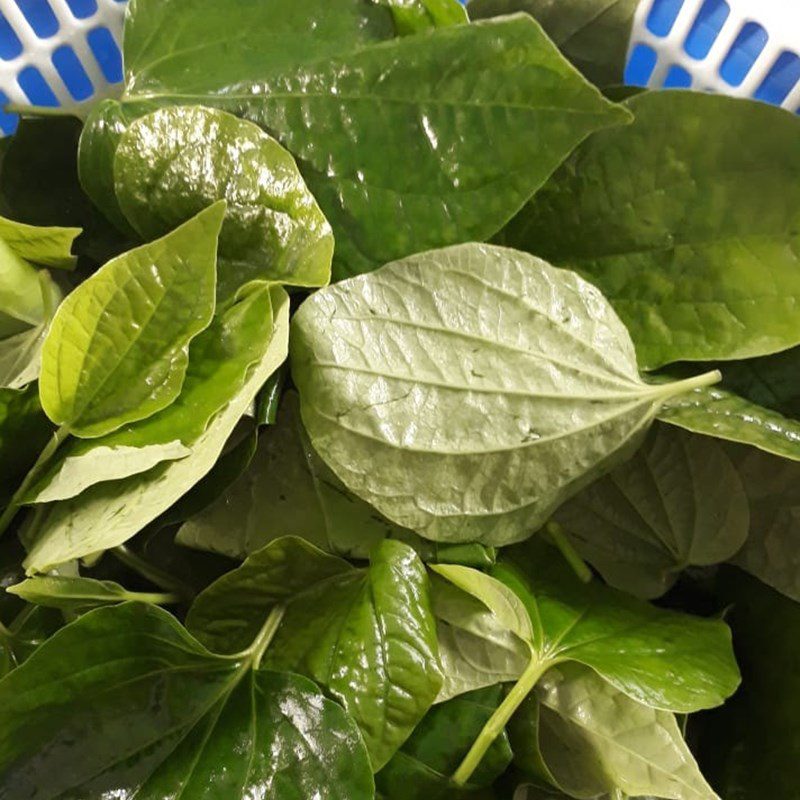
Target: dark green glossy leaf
{"points": [[679, 502], [20, 639], [592, 34], [369, 638], [117, 349], [219, 362], [176, 161], [398, 371], [109, 514], [167, 717], [269, 399], [423, 765], [692, 237]]}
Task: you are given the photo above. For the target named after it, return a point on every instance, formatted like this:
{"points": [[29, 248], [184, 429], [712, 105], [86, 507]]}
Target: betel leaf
{"points": [[398, 371], [45, 246], [592, 740], [430, 99], [423, 765], [692, 237], [369, 638], [287, 490], [771, 551], [219, 360], [679, 502], [291, 742], [592, 34], [21, 298], [749, 747], [111, 513], [415, 16], [79, 594], [176, 161], [117, 349], [32, 626]]}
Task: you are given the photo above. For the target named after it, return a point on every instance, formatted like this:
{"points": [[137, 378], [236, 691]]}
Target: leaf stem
{"points": [[570, 554], [155, 598], [33, 474], [689, 384], [156, 575], [27, 110], [499, 719], [265, 636]]}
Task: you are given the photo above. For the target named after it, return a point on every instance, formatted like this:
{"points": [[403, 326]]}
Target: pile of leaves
{"points": [[387, 410]]}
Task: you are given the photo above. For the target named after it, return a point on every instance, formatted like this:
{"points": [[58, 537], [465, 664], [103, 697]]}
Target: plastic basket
{"points": [[67, 52]]}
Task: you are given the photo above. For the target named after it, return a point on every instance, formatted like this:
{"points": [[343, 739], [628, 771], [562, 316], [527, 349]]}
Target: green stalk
{"points": [[265, 636], [499, 719], [152, 573], [571, 556], [33, 474]]}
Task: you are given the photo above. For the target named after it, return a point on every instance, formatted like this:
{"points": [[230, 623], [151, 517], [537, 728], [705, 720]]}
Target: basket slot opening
{"points": [[40, 17], [106, 53], [677, 78], [662, 16], [706, 27], [8, 122], [36, 88], [781, 78], [73, 74], [746, 49], [10, 45], [640, 65], [81, 9]]}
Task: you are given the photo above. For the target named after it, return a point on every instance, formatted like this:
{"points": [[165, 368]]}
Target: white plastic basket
{"points": [[67, 52]]}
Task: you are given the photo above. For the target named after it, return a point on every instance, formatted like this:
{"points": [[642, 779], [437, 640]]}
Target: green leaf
{"points": [[176, 161], [219, 362], [46, 246], [399, 370], [79, 594], [594, 739], [637, 647], [287, 490], [21, 302], [592, 34], [33, 626], [415, 16], [692, 238], [679, 502], [117, 349], [369, 638], [111, 513], [423, 765], [291, 742], [430, 100], [227, 615], [773, 491]]}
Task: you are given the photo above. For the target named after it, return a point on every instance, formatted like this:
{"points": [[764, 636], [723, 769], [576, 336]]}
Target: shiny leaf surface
{"points": [[679, 502], [117, 349], [176, 161], [692, 238], [399, 370]]}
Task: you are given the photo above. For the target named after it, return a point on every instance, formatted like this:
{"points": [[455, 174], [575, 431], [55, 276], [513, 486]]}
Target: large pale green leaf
{"points": [[679, 502], [110, 513], [691, 236], [219, 361], [287, 490], [176, 161], [592, 34], [433, 100], [46, 246], [78, 594], [399, 370], [158, 716], [423, 765], [117, 349], [594, 739], [369, 637]]}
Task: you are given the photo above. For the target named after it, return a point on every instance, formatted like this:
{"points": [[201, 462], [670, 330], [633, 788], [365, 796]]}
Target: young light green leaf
{"points": [[592, 34], [593, 740], [287, 490], [679, 502], [399, 370], [176, 161], [111, 513], [698, 251], [291, 741], [369, 637], [398, 98], [79, 594], [21, 301], [46, 246], [219, 362], [227, 615], [117, 349], [423, 765]]}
